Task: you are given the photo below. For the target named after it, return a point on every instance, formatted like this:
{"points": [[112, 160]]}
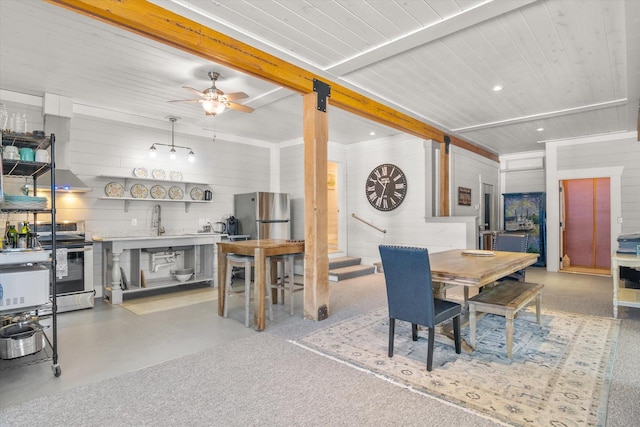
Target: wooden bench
{"points": [[505, 299]]}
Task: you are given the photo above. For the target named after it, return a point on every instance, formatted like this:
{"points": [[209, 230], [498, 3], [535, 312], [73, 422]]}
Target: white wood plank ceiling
{"points": [[571, 67]]}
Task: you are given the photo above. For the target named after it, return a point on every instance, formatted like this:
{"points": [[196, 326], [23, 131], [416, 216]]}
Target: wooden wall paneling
{"points": [[444, 179], [316, 255]]}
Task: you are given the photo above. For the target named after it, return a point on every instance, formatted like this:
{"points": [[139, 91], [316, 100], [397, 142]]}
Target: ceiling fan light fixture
{"points": [[172, 153], [192, 156], [213, 106], [153, 151]]}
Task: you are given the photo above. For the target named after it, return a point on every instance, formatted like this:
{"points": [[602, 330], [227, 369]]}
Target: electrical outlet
{"points": [[134, 222]]}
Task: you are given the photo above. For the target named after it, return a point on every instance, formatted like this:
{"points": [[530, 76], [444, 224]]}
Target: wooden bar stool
{"points": [[282, 284]]}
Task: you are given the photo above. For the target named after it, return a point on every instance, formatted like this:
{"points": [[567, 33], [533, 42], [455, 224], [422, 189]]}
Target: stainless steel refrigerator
{"points": [[263, 215]]}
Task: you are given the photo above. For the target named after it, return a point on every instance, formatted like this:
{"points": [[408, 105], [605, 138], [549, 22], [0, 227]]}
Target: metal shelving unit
{"points": [[32, 169]]}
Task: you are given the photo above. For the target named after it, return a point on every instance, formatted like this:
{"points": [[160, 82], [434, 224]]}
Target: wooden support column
{"points": [[316, 244], [444, 177]]}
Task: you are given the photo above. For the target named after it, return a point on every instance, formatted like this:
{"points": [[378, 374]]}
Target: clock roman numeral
{"points": [[372, 196]]}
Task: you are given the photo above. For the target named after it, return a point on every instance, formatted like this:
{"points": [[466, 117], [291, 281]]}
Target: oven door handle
{"points": [[82, 249]]}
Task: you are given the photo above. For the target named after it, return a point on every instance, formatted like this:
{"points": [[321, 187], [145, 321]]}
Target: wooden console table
{"points": [[624, 297]]}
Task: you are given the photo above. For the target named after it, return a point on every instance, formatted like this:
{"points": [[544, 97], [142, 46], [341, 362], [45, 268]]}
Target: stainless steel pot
{"points": [[20, 339]]}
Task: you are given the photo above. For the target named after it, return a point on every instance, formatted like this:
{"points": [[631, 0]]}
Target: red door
{"points": [[587, 222]]}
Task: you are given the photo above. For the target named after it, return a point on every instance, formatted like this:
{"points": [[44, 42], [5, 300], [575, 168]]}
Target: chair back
{"points": [[407, 273], [509, 242]]}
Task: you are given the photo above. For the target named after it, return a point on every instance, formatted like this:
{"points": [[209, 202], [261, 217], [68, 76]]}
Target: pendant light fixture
{"points": [[153, 151]]}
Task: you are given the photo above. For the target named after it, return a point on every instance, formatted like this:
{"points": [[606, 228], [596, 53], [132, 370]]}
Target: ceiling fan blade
{"points": [[196, 91], [186, 100], [239, 107], [235, 96]]}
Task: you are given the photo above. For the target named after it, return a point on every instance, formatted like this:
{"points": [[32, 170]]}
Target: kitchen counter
{"points": [[200, 253]]}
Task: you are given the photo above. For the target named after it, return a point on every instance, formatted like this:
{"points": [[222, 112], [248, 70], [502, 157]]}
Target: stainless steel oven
{"points": [[74, 252]]}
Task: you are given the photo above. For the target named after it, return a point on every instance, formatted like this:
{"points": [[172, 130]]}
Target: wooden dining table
{"points": [[260, 250], [472, 269], [476, 268]]}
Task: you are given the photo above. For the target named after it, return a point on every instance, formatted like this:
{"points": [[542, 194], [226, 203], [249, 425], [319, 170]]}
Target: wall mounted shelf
{"points": [[129, 181]]}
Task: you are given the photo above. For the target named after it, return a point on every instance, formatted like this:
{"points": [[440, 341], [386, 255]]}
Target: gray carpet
{"points": [[265, 380]]}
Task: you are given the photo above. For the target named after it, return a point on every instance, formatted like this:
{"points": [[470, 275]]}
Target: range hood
{"points": [[66, 181]]}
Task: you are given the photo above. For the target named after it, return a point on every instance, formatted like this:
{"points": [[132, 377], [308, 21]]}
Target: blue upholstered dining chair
{"points": [[407, 273], [511, 242]]}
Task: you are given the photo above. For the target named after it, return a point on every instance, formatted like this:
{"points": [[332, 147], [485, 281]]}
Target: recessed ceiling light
{"points": [[497, 88], [540, 129], [372, 133]]}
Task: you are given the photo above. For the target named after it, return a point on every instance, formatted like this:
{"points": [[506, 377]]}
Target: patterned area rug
{"points": [[559, 374]]}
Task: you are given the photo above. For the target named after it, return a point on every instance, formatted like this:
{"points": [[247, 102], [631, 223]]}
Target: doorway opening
{"points": [[585, 233]]}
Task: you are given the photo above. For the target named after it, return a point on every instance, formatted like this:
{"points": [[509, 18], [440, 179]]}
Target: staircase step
{"points": [[343, 262], [349, 272]]}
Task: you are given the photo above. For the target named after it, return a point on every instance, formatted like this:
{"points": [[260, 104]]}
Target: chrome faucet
{"points": [[156, 219]]}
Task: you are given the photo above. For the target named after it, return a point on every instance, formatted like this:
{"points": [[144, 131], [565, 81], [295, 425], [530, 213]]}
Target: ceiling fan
{"points": [[214, 101]]}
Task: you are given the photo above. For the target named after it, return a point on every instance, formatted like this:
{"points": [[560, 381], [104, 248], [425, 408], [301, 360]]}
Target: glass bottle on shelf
{"points": [[25, 233], [12, 123], [18, 124], [12, 237], [24, 124]]}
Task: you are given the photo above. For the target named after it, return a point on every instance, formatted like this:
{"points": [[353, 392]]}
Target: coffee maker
{"points": [[232, 226]]}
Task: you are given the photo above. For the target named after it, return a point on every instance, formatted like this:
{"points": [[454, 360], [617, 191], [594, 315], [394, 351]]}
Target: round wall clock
{"points": [[386, 187]]}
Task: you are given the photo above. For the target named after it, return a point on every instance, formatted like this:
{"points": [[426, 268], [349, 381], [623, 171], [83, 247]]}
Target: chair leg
{"points": [[432, 339], [247, 292], [456, 333], [227, 289], [291, 262], [392, 330], [414, 331]]}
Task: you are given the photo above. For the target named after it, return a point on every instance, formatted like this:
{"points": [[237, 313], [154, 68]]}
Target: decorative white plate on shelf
{"points": [[139, 191], [175, 175], [114, 189], [158, 192], [478, 252], [140, 172], [159, 174], [176, 193], [197, 193]]}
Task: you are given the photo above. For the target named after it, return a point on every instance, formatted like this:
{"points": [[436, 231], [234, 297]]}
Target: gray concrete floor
{"points": [[107, 341]]}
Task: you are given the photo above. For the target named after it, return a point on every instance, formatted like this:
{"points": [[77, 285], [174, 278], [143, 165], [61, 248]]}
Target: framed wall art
{"points": [[464, 196]]}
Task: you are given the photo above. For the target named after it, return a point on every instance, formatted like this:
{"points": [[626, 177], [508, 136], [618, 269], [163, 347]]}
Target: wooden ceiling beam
{"points": [[164, 26]]}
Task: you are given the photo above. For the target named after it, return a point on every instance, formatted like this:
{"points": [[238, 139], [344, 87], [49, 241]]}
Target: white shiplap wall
{"points": [[115, 147], [405, 225], [620, 152], [470, 170], [616, 156]]}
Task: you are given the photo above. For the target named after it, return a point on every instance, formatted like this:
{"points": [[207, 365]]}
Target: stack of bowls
{"points": [[10, 152]]}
